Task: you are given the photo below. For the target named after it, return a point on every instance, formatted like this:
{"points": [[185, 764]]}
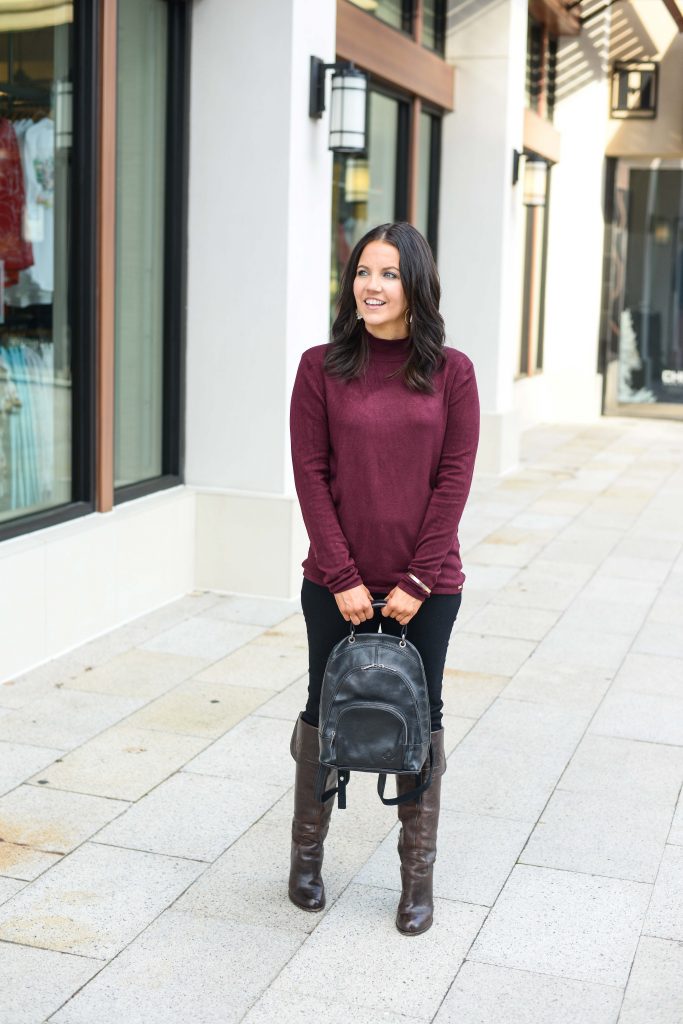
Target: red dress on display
{"points": [[15, 251]]}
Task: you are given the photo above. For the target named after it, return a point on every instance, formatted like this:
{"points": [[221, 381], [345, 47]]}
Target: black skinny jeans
{"points": [[429, 630]]}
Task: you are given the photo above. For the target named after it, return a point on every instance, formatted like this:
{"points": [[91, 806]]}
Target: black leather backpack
{"points": [[374, 713]]}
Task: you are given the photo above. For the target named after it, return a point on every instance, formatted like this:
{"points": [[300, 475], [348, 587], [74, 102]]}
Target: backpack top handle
{"points": [[376, 604]]}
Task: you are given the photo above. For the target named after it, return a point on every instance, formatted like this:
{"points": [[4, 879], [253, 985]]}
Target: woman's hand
{"points": [[355, 604], [401, 606]]}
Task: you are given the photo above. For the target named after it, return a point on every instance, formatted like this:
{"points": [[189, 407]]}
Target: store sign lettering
{"points": [[672, 376]]}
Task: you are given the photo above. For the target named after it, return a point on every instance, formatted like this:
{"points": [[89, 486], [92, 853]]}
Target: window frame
{"points": [[402, 183], [439, 28], [90, 285], [83, 277], [434, 180], [402, 180], [175, 260], [617, 188], [412, 23], [410, 108], [408, 13], [621, 69]]}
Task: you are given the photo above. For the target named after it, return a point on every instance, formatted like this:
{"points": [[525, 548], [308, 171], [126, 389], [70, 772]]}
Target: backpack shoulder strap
{"points": [[413, 794]]}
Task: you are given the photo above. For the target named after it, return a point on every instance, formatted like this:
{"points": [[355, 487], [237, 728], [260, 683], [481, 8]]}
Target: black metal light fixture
{"points": [[348, 104], [634, 89], [516, 160]]}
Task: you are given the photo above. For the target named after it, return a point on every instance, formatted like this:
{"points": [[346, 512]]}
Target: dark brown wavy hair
{"points": [[348, 355]]}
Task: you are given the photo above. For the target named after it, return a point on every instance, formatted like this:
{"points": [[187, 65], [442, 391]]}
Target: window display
{"points": [[35, 341], [649, 310]]}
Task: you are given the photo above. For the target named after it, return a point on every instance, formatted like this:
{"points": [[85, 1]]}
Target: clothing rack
{"points": [[25, 339], [30, 111], [35, 108]]}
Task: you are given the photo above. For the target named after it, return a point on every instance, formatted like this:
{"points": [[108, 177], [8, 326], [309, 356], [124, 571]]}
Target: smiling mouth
{"points": [[374, 303]]}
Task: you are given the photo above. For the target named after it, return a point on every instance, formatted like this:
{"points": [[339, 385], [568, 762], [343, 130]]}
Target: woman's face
{"points": [[378, 291]]}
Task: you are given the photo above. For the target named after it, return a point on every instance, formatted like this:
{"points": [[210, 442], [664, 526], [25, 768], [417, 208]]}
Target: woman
{"points": [[384, 424]]}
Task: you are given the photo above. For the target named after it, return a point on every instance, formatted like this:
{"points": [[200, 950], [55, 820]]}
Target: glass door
{"points": [[645, 291]]}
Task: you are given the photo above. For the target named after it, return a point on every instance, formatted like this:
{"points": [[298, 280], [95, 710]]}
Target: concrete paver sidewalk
{"points": [[145, 789]]}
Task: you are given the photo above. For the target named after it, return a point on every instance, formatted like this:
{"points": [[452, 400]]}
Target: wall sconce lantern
{"points": [[348, 104], [535, 180], [634, 89]]}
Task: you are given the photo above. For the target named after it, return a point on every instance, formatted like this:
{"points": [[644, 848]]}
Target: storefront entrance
{"points": [[644, 308]]}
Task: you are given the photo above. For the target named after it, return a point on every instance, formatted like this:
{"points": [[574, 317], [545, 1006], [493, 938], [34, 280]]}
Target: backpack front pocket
{"points": [[370, 737]]}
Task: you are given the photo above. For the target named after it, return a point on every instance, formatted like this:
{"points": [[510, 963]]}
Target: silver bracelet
{"points": [[419, 582]]}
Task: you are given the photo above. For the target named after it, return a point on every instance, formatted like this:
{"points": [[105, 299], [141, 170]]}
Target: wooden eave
{"points": [[675, 12], [541, 137], [555, 15]]}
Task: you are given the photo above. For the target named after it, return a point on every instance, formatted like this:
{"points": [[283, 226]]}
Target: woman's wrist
{"points": [[423, 586], [410, 587]]}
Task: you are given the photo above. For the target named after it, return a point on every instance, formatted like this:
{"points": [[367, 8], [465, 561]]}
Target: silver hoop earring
{"points": [[408, 319]]}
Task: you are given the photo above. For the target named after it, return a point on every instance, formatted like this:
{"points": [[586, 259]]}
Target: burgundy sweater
{"points": [[382, 472]]}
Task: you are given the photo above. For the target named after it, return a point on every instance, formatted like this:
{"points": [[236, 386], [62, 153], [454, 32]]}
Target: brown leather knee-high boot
{"points": [[310, 822], [417, 845]]}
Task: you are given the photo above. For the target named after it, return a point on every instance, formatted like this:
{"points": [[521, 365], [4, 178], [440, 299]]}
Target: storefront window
{"points": [[370, 190], [434, 24], [394, 12], [649, 304], [140, 204], [428, 160], [36, 395]]}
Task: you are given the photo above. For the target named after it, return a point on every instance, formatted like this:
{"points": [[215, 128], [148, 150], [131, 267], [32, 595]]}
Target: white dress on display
{"points": [[39, 176]]}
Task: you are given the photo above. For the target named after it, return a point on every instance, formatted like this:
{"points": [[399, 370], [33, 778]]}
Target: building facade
{"points": [[174, 228]]}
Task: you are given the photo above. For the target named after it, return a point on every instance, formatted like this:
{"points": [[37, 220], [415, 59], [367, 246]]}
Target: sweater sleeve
{"points": [[454, 477], [310, 442]]}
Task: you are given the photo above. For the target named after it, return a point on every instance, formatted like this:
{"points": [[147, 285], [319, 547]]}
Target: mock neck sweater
{"points": [[383, 472]]}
